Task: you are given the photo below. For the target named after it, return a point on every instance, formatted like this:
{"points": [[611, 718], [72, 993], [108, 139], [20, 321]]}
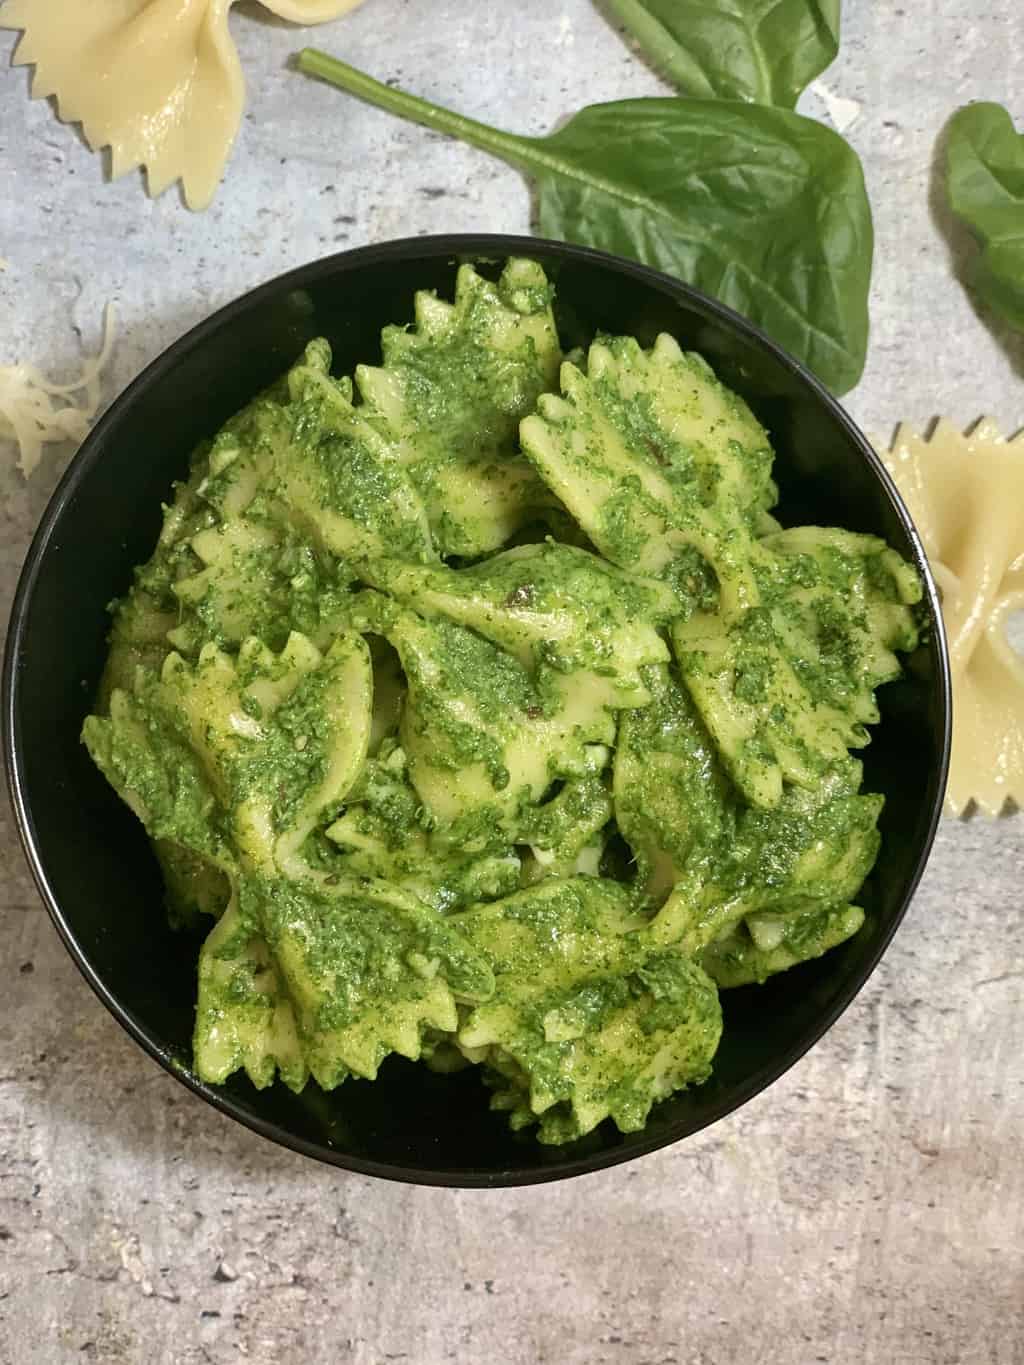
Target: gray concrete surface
{"points": [[868, 1208]]}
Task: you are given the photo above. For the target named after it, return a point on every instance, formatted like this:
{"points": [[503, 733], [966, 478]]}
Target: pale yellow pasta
{"points": [[966, 495], [157, 81]]}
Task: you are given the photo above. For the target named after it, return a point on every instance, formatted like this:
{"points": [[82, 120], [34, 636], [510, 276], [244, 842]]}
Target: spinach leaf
{"points": [[761, 208], [985, 181], [764, 51]]}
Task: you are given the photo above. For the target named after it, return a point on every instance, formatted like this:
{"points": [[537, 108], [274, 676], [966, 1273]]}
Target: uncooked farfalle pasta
{"points": [[159, 82], [966, 495]]}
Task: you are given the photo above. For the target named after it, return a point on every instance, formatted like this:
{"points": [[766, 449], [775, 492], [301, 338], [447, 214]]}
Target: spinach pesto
{"points": [[479, 710]]}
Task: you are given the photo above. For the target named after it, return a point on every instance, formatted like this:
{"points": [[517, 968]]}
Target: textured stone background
{"points": [[868, 1208]]}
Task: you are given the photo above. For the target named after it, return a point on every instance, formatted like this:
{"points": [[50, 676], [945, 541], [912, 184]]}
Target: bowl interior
{"points": [[91, 857]]}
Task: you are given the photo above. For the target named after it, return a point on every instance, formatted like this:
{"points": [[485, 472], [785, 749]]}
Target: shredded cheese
{"points": [[35, 412]]}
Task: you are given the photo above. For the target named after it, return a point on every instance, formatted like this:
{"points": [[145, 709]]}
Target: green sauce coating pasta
{"points": [[496, 726]]}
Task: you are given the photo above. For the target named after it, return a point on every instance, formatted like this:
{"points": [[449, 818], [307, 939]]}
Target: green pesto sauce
{"points": [[466, 390], [454, 674], [590, 649], [456, 389], [348, 481], [546, 604], [293, 755]]}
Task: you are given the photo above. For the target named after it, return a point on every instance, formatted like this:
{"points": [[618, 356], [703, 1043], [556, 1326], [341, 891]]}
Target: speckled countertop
{"points": [[870, 1206]]}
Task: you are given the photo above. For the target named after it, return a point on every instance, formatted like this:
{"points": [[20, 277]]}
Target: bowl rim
{"points": [[467, 246]]}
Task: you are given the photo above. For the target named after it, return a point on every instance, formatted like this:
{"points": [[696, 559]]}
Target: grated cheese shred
{"points": [[35, 412]]}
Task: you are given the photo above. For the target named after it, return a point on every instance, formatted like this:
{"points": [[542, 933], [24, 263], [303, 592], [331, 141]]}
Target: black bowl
{"points": [[91, 859]]}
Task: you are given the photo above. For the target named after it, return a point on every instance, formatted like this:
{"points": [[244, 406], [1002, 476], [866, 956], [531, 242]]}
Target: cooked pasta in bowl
{"points": [[523, 712]]}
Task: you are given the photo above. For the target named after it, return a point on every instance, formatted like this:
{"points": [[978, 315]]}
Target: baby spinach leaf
{"points": [[761, 208], [764, 51], [985, 181]]}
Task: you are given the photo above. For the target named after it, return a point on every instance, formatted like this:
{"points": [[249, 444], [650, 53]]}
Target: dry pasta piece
{"points": [[966, 495], [158, 81]]}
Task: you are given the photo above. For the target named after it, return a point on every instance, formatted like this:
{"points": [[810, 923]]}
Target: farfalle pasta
{"points": [[159, 82], [966, 495], [473, 759]]}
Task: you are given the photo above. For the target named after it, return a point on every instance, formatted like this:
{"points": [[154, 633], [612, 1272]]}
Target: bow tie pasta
{"points": [[496, 728], [588, 1018], [669, 474], [157, 81], [966, 495], [449, 397]]}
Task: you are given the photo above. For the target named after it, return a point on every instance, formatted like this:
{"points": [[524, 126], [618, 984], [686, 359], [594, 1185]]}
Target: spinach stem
{"points": [[345, 77], [659, 46]]}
